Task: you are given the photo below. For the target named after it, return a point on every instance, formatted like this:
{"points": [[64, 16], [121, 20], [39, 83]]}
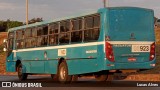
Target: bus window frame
{"points": [[11, 38], [41, 35], [80, 28], [65, 33], [51, 25], [29, 33], [93, 28], [20, 39]]}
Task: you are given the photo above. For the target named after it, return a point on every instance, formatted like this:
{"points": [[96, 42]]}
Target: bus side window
{"points": [[39, 33], [41, 36], [27, 35], [76, 35], [64, 36], [92, 24], [34, 37], [17, 39], [96, 27], [45, 35], [53, 34], [20, 39], [10, 42]]}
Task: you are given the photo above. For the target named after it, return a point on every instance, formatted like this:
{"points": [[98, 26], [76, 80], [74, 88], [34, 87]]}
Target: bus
{"points": [[97, 43]]}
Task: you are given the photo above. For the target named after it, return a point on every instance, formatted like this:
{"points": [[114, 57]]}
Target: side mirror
{"points": [[5, 45], [4, 49], [5, 40]]}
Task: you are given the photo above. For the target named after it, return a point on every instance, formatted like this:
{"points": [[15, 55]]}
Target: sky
{"points": [[51, 9]]}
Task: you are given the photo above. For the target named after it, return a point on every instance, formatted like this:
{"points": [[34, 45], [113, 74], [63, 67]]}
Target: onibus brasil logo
{"points": [[15, 84]]}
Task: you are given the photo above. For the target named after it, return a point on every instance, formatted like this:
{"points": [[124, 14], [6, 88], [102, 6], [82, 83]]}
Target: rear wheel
{"points": [[63, 76], [21, 75]]}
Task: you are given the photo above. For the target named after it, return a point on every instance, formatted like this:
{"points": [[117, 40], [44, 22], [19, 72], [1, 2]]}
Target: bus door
{"points": [[10, 44]]}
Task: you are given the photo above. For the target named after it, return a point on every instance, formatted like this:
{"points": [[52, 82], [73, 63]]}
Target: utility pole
{"points": [[106, 3], [26, 12]]}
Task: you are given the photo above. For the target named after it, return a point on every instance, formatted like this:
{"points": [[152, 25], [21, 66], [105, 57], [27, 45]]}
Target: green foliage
{"points": [[34, 20], [5, 25], [14, 24]]}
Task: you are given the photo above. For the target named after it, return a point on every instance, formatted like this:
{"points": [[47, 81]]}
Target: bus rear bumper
{"points": [[131, 66]]}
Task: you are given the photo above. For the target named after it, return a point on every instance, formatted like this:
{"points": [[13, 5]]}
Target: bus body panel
{"points": [[10, 63], [126, 21], [37, 62], [129, 27], [129, 66]]}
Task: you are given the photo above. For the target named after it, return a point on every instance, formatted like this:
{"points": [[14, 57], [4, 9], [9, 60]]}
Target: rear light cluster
{"points": [[109, 52], [152, 52]]}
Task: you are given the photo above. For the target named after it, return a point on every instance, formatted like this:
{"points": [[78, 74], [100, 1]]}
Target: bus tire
{"points": [[21, 75], [101, 77], [63, 76]]}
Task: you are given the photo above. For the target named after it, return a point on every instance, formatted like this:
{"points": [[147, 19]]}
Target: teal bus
{"points": [[96, 43]]}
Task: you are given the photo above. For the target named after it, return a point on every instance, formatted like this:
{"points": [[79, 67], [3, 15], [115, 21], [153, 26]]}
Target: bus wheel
{"points": [[63, 76], [101, 77], [21, 75]]}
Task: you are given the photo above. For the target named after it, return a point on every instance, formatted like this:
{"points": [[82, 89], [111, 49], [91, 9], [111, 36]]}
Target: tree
{"points": [[5, 25], [34, 20], [13, 24]]}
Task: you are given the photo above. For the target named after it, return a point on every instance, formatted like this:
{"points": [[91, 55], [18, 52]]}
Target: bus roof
{"points": [[70, 17], [51, 21]]}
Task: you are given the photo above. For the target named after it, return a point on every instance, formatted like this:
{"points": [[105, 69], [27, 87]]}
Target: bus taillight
{"points": [[109, 52], [152, 52]]}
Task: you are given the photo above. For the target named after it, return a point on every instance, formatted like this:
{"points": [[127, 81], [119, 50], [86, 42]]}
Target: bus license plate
{"points": [[131, 59], [140, 48]]}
